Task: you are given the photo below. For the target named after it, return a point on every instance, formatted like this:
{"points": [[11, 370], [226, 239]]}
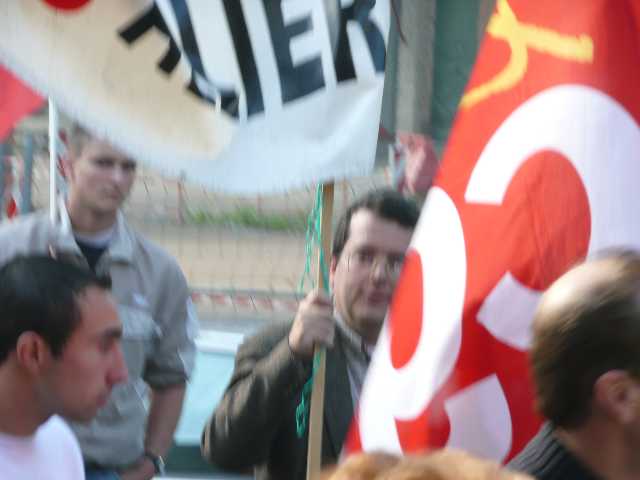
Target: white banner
{"points": [[243, 96]]}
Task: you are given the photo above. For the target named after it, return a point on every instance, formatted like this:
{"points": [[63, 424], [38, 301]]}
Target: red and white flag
{"points": [[542, 169], [16, 101]]}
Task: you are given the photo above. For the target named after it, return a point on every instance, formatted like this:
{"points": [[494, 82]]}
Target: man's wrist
{"points": [[156, 460]]}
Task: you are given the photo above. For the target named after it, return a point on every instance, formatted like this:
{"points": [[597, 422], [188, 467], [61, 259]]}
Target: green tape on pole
{"points": [[313, 242]]}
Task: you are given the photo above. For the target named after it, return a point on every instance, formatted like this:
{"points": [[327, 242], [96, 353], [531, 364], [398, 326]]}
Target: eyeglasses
{"points": [[367, 260]]}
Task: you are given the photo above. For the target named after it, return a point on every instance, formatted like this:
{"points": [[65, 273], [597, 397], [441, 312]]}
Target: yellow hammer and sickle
{"points": [[520, 37]]}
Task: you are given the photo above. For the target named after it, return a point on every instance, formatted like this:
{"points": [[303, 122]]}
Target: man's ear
{"points": [[32, 352], [617, 394], [66, 166]]}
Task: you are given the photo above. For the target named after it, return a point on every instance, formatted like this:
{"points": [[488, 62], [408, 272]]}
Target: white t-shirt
{"points": [[51, 453]]}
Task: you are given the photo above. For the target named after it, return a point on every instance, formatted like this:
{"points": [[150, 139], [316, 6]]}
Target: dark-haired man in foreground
{"points": [[129, 436], [60, 354], [585, 359], [255, 423]]}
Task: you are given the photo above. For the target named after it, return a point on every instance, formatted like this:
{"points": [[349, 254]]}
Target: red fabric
{"points": [[12, 208], [535, 177], [16, 101], [67, 5]]}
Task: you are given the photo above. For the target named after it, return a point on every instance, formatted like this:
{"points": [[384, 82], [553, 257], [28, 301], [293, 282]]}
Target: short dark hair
{"points": [[384, 203], [585, 336], [39, 294]]}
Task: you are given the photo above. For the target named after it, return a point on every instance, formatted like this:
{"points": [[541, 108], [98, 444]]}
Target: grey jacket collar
{"points": [[121, 245]]}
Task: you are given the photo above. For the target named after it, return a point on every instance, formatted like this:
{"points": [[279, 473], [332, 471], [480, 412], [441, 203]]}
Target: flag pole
{"points": [[53, 155], [3, 150], [316, 412]]}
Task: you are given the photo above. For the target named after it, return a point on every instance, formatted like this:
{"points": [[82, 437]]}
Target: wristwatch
{"points": [[157, 460]]}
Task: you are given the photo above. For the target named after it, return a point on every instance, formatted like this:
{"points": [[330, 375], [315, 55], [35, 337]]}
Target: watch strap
{"points": [[157, 460]]}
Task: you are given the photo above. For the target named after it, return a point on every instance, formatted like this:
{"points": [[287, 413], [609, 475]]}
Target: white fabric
{"points": [[52, 453], [297, 121]]}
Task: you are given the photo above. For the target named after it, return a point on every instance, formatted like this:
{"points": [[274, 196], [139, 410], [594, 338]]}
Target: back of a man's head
{"points": [[587, 324], [39, 294]]}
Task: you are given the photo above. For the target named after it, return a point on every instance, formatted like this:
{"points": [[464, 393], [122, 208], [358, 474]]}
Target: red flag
{"points": [[12, 208], [16, 101], [541, 170]]}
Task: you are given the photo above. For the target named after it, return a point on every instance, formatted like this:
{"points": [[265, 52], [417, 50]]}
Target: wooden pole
{"points": [[316, 413]]}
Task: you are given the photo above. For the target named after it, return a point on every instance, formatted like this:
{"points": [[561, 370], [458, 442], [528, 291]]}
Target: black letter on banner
{"points": [[244, 55], [359, 11], [200, 84], [152, 18], [300, 80]]}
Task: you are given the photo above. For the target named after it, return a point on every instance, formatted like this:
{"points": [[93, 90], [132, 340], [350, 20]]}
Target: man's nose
{"points": [[118, 373], [380, 270], [118, 174]]}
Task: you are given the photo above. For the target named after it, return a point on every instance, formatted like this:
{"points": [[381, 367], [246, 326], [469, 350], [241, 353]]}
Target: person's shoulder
{"points": [[24, 223], [543, 457], [266, 337], [63, 440], [24, 234], [274, 330], [145, 248], [57, 429]]}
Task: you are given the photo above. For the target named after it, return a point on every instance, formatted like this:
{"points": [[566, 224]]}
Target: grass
{"points": [[252, 218]]}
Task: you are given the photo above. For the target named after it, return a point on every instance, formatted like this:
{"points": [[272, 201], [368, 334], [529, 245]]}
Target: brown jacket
{"points": [[255, 423]]}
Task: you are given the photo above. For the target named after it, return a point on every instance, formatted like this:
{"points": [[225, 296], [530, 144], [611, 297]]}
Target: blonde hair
{"points": [[362, 466], [437, 465], [449, 465]]}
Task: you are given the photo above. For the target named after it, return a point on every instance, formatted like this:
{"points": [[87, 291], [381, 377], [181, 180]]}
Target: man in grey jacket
{"points": [[126, 440], [254, 425]]}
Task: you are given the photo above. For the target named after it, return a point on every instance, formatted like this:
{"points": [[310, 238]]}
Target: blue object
{"points": [[207, 385]]}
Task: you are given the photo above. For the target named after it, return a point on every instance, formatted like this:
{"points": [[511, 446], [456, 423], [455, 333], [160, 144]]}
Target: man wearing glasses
{"points": [[255, 423]]}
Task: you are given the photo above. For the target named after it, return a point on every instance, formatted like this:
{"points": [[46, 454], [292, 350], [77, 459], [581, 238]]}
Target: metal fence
{"points": [[241, 255]]}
